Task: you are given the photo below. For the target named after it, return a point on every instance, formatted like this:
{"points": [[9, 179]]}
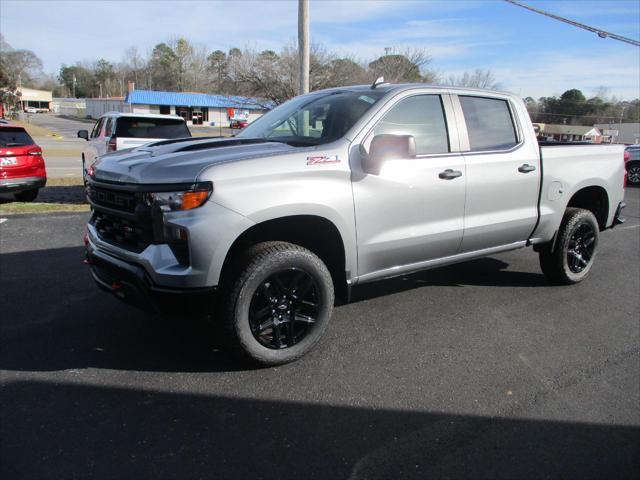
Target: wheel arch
{"points": [[595, 199], [313, 232]]}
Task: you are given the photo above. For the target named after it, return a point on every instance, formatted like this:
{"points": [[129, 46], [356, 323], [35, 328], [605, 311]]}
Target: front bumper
{"points": [[131, 284], [21, 184]]}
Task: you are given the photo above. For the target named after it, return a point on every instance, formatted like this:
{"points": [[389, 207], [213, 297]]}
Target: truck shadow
{"points": [[55, 318], [487, 272], [69, 430]]}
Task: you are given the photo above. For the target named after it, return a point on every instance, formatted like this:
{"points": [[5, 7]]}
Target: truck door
{"points": [[503, 173], [412, 210]]}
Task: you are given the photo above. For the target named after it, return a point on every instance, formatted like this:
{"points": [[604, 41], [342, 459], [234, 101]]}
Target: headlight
{"points": [[181, 200]]}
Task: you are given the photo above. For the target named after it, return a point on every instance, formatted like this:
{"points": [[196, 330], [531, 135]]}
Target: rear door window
{"points": [[421, 116], [108, 129], [489, 123], [98, 128], [14, 137], [168, 128]]}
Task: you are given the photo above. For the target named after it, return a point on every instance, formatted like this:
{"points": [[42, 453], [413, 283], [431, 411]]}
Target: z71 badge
{"points": [[322, 160]]}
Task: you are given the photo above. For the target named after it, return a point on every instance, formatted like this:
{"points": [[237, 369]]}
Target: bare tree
{"points": [[18, 66], [479, 78], [135, 63], [198, 68], [406, 65]]}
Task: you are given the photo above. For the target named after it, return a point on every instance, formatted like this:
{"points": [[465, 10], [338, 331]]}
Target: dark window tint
{"points": [[14, 137], [313, 119], [151, 128], [489, 123], [421, 116]]}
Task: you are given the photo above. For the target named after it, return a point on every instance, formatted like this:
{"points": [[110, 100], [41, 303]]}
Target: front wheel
{"points": [[570, 258], [280, 303]]}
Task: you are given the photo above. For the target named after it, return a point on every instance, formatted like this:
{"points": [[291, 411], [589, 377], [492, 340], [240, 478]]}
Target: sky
{"points": [[530, 54]]}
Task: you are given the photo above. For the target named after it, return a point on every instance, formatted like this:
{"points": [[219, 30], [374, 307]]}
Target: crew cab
{"points": [[335, 189], [116, 131], [22, 168]]}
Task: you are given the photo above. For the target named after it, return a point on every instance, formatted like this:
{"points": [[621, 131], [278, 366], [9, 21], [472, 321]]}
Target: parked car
{"points": [[632, 160], [116, 131], [22, 169], [264, 228], [31, 110], [238, 123]]}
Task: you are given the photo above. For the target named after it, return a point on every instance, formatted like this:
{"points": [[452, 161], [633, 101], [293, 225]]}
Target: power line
{"points": [[600, 33]]}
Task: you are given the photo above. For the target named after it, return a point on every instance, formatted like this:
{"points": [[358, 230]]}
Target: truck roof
{"points": [[140, 115], [397, 87]]}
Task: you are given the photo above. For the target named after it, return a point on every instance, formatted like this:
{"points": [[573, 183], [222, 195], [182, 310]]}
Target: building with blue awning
{"points": [[195, 108]]}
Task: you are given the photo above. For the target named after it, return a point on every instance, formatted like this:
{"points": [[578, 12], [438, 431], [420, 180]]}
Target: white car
{"points": [[117, 131], [31, 110]]}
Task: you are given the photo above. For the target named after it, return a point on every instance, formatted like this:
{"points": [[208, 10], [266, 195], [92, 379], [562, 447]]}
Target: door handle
{"points": [[449, 174], [526, 168]]}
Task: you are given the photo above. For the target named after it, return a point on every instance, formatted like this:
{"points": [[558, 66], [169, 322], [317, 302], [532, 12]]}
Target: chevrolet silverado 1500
{"points": [[337, 188]]}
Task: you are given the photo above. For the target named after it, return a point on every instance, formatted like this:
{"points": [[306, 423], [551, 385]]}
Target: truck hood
{"points": [[180, 161]]}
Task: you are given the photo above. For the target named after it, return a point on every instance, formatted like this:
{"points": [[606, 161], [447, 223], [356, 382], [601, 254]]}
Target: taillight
{"points": [[624, 170], [627, 155], [112, 144], [34, 151]]}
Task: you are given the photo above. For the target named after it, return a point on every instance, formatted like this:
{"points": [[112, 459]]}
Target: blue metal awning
{"points": [[152, 97]]}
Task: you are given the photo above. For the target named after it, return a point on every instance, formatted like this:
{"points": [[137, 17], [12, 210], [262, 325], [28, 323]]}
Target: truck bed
{"points": [[566, 168]]}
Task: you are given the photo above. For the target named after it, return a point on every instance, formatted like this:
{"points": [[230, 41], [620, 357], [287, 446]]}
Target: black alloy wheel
{"points": [[277, 300], [284, 308], [581, 248], [633, 174]]}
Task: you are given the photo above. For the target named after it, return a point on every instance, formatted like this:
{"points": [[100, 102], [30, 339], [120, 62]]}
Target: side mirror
{"points": [[387, 147], [83, 134]]}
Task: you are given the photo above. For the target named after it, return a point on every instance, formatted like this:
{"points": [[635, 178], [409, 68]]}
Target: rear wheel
{"points": [[570, 258], [280, 303], [26, 196], [633, 173]]}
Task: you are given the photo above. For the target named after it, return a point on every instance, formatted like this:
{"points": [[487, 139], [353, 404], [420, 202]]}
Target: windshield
{"points": [[313, 119], [14, 137], [151, 128]]}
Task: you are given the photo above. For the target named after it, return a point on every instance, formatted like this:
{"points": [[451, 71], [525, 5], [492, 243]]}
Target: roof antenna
{"points": [[379, 81]]}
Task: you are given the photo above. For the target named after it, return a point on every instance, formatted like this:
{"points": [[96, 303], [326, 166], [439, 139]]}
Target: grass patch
{"points": [[74, 152], [33, 130], [64, 181], [15, 208]]}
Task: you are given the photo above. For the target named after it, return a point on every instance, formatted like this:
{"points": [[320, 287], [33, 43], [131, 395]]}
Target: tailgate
{"points": [[130, 142], [21, 162]]}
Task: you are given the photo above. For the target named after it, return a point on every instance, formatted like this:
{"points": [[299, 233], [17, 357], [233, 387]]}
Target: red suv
{"points": [[22, 170]]}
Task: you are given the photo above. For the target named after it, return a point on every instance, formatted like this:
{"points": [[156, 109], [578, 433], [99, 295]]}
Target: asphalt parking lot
{"points": [[481, 370]]}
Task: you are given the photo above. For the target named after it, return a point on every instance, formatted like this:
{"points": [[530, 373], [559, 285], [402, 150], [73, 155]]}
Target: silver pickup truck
{"points": [[334, 189]]}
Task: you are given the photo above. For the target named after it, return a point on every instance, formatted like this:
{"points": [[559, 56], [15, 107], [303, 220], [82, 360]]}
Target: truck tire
{"points": [[26, 195], [279, 303], [633, 173], [569, 259]]}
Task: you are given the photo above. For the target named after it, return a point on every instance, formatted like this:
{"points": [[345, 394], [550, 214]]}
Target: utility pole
{"points": [[303, 45]]}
